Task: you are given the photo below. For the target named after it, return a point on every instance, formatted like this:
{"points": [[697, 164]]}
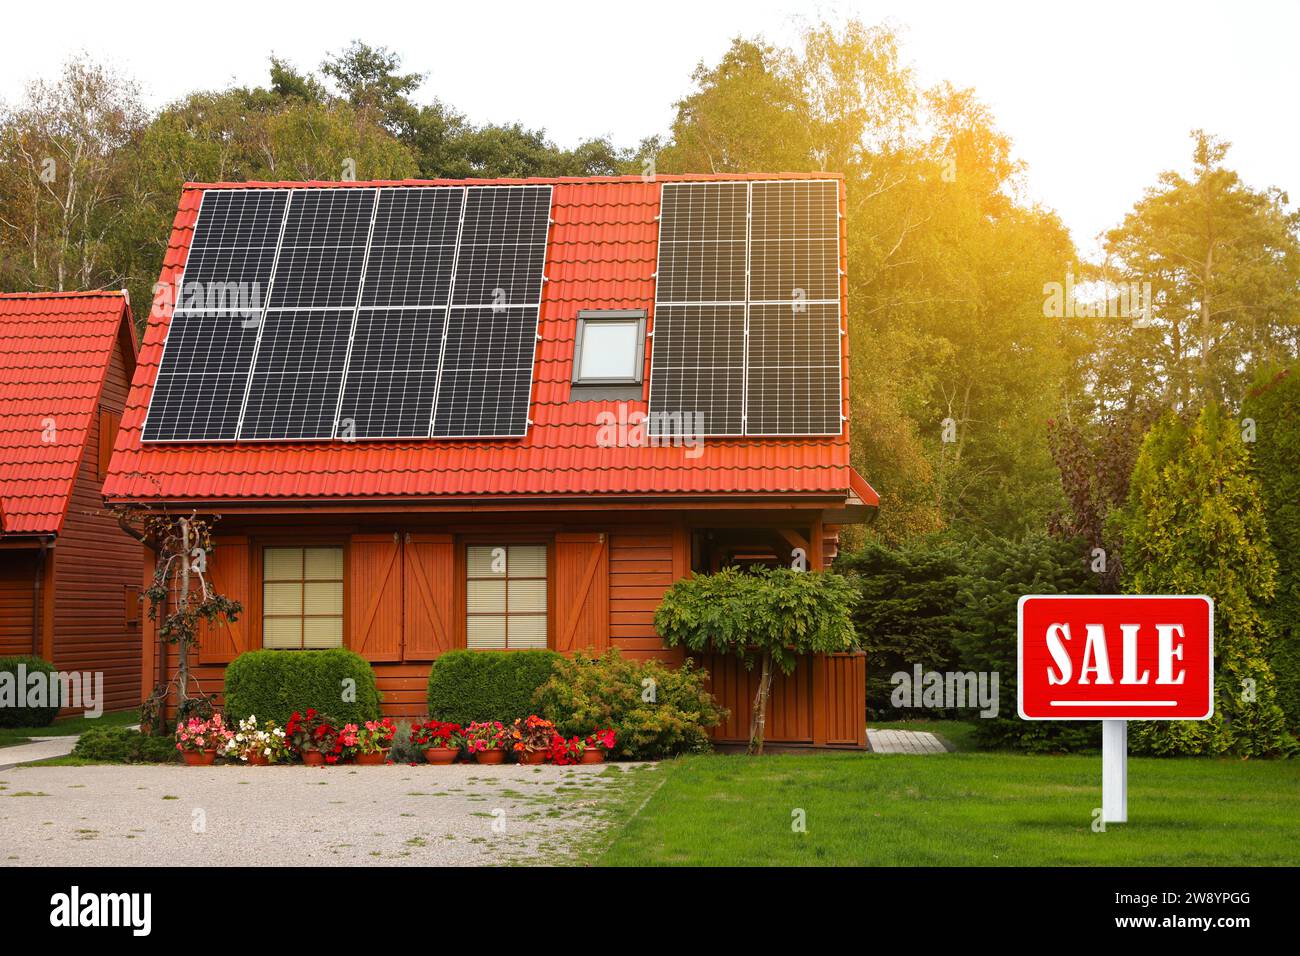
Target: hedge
{"points": [[487, 685], [124, 745], [271, 685], [12, 716]]}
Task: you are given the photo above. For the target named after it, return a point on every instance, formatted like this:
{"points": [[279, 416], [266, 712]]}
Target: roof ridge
{"points": [[628, 179], [81, 293]]}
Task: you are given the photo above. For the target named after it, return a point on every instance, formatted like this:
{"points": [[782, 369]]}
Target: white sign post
{"points": [[1114, 771], [1115, 658]]}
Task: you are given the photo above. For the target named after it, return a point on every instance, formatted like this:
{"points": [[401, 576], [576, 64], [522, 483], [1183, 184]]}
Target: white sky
{"points": [[1098, 97]]}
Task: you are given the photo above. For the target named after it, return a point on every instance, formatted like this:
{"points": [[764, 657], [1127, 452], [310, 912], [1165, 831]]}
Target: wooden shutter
{"points": [[228, 574], [581, 592], [429, 594], [374, 589]]}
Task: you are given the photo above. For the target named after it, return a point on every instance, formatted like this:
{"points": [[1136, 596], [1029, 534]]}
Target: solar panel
{"points": [[392, 374], [793, 330], [486, 376], [747, 306], [698, 355], [355, 295], [204, 368], [293, 391], [323, 250], [793, 381]]}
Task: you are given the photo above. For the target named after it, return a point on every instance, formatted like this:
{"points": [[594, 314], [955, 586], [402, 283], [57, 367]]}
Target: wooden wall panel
{"points": [[95, 561], [429, 596], [17, 601], [640, 571], [374, 596], [582, 592], [229, 575]]}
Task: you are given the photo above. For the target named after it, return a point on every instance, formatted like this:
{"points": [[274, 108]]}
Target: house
{"points": [[69, 575], [419, 409]]}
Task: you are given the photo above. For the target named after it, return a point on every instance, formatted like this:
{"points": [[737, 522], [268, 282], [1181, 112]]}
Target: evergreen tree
{"points": [[1194, 524], [1273, 406]]}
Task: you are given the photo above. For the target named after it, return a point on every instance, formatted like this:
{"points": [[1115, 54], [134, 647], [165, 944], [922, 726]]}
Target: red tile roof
{"points": [[601, 255], [55, 350]]}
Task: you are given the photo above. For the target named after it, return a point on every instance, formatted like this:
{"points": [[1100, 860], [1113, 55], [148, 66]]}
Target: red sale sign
{"points": [[1116, 657]]}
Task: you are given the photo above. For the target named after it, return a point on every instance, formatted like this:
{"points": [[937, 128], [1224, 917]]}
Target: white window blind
{"points": [[302, 598], [505, 596]]}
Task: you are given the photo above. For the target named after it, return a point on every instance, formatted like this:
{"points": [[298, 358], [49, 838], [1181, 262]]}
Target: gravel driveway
{"points": [[462, 815]]}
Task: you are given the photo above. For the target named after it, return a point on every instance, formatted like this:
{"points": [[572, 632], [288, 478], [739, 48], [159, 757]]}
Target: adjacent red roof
{"points": [[55, 349], [601, 254]]}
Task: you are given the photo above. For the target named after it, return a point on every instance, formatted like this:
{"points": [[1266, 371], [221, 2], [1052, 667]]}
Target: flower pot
{"points": [[199, 758], [592, 755], [532, 756], [441, 755], [496, 755], [258, 759], [313, 758], [372, 760]]}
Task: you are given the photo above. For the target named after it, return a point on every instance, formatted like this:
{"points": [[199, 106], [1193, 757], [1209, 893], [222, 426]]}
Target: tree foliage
{"points": [[1194, 523], [1273, 405], [907, 614]]}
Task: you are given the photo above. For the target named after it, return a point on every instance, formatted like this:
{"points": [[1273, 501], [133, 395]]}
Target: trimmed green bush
{"points": [[271, 685], [655, 710], [465, 686], [13, 716], [124, 745]]}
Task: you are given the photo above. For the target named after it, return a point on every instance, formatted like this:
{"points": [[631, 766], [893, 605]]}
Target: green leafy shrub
{"points": [[124, 745], [465, 686], [1194, 523], [271, 685], [13, 716], [655, 710], [1274, 406]]}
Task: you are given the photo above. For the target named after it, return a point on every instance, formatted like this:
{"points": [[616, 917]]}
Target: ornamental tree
{"points": [[765, 616], [1194, 523], [181, 599]]}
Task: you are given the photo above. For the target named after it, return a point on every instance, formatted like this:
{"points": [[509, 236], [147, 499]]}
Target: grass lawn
{"points": [[989, 809], [10, 736]]}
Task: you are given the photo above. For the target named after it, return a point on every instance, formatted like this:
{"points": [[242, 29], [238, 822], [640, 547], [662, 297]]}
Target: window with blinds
{"points": [[505, 605], [302, 598]]}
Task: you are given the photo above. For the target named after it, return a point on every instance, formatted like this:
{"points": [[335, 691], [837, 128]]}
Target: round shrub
{"points": [[655, 710], [12, 715], [271, 685], [465, 686], [124, 745]]}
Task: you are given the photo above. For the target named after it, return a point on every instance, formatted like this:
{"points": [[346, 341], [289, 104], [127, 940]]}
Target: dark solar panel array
{"points": [[398, 312], [747, 310]]}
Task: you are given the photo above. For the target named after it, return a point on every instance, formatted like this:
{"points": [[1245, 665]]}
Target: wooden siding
{"points": [[821, 704], [17, 600], [95, 562]]}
